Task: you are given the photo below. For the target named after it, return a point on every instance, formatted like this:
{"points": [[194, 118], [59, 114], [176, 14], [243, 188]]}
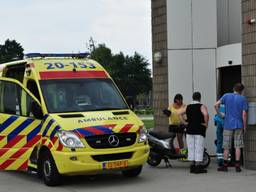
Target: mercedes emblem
{"points": [[113, 140]]}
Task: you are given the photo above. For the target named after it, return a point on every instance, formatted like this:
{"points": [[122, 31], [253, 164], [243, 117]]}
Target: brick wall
{"points": [[160, 70], [249, 75]]}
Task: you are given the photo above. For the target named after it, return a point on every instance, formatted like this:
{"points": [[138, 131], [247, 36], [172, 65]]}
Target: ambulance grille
{"points": [[112, 157], [102, 141]]}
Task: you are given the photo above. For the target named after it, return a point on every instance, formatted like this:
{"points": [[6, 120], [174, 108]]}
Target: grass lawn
{"points": [[148, 123]]}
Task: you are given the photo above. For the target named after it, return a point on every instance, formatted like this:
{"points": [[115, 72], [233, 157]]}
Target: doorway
{"points": [[228, 77]]}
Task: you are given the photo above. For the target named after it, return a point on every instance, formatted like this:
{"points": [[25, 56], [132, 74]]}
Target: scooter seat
{"points": [[162, 135]]}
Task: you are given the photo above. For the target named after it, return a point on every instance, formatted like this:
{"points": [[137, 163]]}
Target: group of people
{"points": [[231, 126]]}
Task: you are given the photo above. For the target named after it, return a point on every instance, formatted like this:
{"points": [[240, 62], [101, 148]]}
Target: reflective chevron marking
{"points": [[24, 166], [6, 163], [84, 132], [48, 127], [2, 137], [17, 130], [104, 129], [54, 131], [34, 132], [96, 130], [10, 144], [60, 147], [18, 137], [27, 146], [20, 152], [52, 143], [126, 128], [7, 123], [43, 141], [110, 126]]}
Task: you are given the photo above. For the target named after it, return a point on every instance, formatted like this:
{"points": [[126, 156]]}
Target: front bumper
{"points": [[75, 163]]}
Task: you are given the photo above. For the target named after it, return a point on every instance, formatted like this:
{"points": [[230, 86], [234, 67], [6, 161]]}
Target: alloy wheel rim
{"points": [[47, 168]]}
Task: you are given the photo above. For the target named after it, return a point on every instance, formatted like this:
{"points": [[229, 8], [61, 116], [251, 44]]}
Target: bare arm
{"points": [[216, 107], [244, 120], [205, 113], [181, 115]]}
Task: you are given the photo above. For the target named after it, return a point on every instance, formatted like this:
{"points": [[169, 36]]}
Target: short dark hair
{"points": [[196, 96], [178, 97], [238, 87]]}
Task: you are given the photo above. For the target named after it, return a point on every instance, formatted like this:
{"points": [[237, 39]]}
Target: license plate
{"points": [[115, 164]]}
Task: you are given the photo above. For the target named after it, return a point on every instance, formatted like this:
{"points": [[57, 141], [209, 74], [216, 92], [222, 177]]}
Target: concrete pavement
{"points": [[157, 179]]}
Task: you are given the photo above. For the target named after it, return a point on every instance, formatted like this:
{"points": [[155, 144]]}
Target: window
{"points": [[31, 85], [16, 71], [73, 95], [14, 100]]}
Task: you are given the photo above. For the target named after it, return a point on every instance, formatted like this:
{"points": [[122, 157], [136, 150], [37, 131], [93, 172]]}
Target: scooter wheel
{"points": [[154, 159], [206, 160]]}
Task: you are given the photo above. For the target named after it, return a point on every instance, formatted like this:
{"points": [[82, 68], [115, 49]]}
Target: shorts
{"points": [[176, 128], [229, 135]]}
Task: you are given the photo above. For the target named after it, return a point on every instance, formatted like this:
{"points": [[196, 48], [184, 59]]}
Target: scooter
{"points": [[162, 148]]}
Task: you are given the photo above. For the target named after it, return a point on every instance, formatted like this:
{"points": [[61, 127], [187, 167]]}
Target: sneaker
{"points": [[238, 169], [184, 152], [223, 168]]}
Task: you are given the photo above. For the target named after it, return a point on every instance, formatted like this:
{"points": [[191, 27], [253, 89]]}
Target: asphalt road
{"points": [[159, 179]]}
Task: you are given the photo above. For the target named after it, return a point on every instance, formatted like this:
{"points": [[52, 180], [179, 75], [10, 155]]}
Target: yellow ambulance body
{"points": [[61, 114]]}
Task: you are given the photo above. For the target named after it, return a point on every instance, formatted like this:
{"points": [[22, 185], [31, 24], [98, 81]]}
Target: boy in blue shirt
{"points": [[234, 123], [219, 122]]}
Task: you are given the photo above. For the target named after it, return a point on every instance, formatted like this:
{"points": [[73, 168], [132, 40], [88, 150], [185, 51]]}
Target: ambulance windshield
{"points": [[77, 95]]}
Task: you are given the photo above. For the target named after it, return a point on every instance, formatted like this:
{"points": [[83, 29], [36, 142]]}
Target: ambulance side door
{"points": [[19, 129]]}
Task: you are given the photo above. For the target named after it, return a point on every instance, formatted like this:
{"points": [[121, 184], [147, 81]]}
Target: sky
{"points": [[67, 25]]}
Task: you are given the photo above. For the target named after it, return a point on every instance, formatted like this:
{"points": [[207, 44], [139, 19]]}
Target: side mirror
{"points": [[36, 110]]}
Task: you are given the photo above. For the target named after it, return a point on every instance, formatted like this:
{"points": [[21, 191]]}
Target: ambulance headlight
{"points": [[143, 135], [69, 139]]}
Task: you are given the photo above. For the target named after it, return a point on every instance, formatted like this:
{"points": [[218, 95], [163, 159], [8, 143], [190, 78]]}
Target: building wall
{"points": [[160, 70], [249, 75], [192, 43], [229, 22], [191, 48]]}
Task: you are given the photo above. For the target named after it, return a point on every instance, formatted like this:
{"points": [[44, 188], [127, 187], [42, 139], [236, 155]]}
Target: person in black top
{"points": [[197, 123]]}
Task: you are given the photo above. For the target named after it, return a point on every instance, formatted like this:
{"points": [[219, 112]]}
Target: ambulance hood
{"points": [[99, 122]]}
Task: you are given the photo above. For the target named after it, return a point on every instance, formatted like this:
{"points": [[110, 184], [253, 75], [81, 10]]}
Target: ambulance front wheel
{"points": [[134, 172], [48, 170]]}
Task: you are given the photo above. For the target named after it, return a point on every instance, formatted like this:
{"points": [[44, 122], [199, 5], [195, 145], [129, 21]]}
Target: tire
{"points": [[154, 159], [48, 170], [132, 172], [206, 160]]}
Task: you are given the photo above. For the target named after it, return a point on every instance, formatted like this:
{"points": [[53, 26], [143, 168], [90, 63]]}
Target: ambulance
{"points": [[62, 114]]}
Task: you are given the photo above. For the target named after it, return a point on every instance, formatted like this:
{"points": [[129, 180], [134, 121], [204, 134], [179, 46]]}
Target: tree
{"points": [[137, 75], [11, 50], [130, 73], [103, 55]]}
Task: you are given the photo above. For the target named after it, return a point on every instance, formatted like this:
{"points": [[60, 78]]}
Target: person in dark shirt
{"points": [[197, 123]]}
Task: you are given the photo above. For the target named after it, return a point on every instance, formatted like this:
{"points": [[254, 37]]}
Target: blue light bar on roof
{"points": [[73, 55]]}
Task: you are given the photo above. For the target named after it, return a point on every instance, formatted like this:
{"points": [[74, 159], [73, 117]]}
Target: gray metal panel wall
{"points": [[179, 24], [204, 24], [229, 21]]}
